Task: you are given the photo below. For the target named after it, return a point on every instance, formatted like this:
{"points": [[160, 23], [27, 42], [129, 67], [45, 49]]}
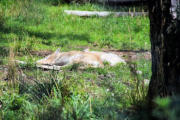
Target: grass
{"points": [[50, 26], [93, 93]]}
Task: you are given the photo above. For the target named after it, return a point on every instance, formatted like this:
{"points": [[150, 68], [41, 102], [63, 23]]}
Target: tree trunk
{"points": [[165, 41]]}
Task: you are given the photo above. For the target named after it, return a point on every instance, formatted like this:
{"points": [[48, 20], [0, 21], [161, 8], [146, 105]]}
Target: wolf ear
{"points": [[58, 50], [86, 50]]}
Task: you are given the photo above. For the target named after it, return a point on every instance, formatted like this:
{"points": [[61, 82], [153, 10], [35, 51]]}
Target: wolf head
{"points": [[50, 59]]}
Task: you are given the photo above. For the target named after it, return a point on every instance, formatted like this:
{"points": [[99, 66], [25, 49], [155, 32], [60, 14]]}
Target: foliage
{"points": [[16, 107], [73, 93], [167, 108]]}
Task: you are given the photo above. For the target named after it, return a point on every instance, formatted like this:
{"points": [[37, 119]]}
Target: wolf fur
{"points": [[111, 58], [86, 57], [68, 58]]}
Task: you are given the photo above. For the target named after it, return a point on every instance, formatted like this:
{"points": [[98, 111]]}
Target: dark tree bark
{"points": [[165, 41]]}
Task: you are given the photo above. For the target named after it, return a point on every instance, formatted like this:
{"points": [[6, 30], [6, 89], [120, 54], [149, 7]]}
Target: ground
{"points": [[31, 30]]}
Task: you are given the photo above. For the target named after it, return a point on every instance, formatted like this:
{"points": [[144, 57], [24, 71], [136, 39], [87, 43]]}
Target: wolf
{"points": [[68, 58], [85, 57], [110, 58]]}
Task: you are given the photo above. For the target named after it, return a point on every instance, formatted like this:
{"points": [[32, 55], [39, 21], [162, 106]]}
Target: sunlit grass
{"points": [[51, 28]]}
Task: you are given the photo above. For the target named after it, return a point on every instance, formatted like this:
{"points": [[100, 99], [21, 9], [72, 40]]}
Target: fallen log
{"points": [[103, 13], [48, 67]]}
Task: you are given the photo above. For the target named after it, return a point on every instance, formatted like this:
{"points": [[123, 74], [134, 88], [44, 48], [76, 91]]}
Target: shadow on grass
{"points": [[70, 36], [45, 35]]}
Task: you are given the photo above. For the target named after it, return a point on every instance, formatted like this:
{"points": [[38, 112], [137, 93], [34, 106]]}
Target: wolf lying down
{"points": [[86, 57]]}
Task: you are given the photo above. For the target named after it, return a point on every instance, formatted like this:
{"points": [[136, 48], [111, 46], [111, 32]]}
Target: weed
{"points": [[139, 90], [12, 70]]}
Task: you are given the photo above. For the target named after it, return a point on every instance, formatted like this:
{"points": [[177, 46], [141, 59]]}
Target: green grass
{"points": [[50, 28], [93, 93]]}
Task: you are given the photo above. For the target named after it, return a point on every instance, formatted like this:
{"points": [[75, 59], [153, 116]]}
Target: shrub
{"points": [[16, 107], [78, 109], [167, 108]]}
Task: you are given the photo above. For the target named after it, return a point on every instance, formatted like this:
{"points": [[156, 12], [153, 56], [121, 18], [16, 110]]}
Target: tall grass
{"points": [[139, 90], [12, 70]]}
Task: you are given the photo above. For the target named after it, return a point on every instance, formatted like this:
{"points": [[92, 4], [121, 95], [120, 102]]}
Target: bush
{"points": [[168, 108], [16, 107]]}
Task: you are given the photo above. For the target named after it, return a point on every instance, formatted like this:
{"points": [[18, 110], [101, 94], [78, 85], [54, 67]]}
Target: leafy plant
{"points": [[167, 108], [78, 109], [16, 107]]}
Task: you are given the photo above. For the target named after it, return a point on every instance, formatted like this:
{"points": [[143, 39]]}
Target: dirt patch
{"points": [[42, 53], [130, 55]]}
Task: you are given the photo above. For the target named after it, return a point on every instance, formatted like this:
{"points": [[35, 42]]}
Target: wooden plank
{"points": [[103, 13]]}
